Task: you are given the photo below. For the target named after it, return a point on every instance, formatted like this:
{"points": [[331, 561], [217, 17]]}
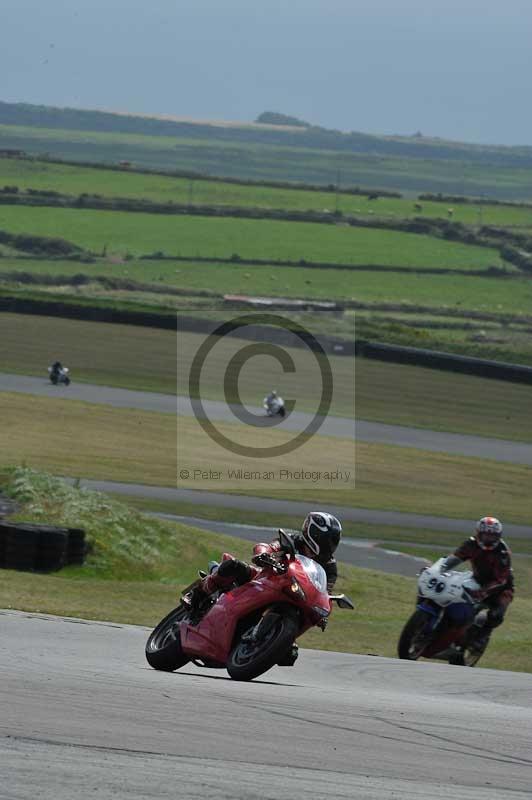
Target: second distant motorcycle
{"points": [[59, 374], [274, 405]]}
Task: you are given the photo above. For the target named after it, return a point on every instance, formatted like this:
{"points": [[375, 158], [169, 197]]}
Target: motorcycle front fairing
{"points": [[443, 597], [446, 625], [212, 638]]}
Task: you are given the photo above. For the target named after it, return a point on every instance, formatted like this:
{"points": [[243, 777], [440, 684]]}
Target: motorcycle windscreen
{"points": [[315, 573]]}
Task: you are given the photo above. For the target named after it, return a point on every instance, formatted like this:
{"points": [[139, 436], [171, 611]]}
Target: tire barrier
{"points": [[40, 548]]}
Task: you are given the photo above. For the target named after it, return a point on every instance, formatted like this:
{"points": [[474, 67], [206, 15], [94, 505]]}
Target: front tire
{"points": [[412, 642], [163, 648], [249, 658]]}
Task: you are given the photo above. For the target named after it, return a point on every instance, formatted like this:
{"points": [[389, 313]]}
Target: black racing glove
{"points": [[264, 560]]}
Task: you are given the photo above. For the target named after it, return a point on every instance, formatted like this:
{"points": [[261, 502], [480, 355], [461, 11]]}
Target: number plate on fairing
{"points": [[444, 588]]}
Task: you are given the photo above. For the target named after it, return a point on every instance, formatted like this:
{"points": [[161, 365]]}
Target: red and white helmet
{"points": [[488, 532]]}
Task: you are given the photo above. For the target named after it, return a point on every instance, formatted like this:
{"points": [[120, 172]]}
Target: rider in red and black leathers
{"points": [[318, 540], [490, 559]]}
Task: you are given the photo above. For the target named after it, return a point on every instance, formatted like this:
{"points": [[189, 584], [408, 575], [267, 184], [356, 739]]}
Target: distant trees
{"points": [[275, 118]]}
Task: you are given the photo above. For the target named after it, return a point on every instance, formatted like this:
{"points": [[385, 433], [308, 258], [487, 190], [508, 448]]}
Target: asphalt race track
{"points": [[84, 716], [356, 552], [362, 431], [462, 527]]}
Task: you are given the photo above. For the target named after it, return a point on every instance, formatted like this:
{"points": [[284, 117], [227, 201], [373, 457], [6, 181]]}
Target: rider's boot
{"points": [[229, 572], [219, 581], [478, 634], [207, 587]]}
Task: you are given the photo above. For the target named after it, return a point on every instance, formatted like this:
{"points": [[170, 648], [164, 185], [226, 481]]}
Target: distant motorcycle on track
{"points": [[59, 374], [274, 405]]}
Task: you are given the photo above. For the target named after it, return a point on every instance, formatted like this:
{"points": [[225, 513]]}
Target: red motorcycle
{"points": [[250, 628]]}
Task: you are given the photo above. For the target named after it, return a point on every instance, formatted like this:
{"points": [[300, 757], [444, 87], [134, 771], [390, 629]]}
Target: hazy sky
{"points": [[460, 69]]}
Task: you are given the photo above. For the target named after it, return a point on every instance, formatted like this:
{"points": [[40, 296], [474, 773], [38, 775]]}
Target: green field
{"points": [[391, 302], [461, 175], [511, 295], [75, 180], [141, 234]]}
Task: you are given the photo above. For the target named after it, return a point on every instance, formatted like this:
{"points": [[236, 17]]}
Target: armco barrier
{"points": [[445, 361], [397, 354], [55, 308]]}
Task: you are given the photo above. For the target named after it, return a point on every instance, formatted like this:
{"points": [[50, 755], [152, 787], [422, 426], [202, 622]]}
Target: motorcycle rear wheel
{"points": [[412, 642], [249, 659], [163, 648]]}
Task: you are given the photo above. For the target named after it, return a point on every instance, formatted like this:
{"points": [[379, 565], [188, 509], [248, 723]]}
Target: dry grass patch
{"points": [[387, 476], [67, 437]]}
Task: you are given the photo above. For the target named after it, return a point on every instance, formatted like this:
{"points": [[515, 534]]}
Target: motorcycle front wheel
{"points": [[163, 648], [414, 639], [252, 657]]}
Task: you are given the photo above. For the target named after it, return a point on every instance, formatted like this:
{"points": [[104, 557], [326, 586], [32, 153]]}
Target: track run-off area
{"points": [[82, 712], [339, 427]]}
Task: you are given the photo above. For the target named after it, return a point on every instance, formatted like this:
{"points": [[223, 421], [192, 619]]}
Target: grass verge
{"points": [[75, 439], [79, 439], [387, 476]]}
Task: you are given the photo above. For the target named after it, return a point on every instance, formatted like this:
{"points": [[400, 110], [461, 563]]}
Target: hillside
{"points": [[294, 134], [268, 150]]}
